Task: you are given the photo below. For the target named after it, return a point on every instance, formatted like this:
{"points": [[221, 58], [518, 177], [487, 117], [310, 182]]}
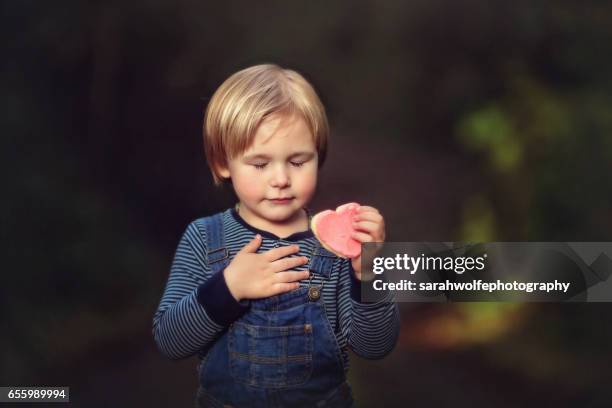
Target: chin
{"points": [[281, 214], [278, 216]]}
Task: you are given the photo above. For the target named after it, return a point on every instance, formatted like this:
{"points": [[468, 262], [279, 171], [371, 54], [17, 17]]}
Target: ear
{"points": [[223, 171]]}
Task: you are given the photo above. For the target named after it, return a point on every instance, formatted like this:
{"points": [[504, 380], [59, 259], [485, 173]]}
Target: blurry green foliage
{"points": [[489, 131], [478, 220]]}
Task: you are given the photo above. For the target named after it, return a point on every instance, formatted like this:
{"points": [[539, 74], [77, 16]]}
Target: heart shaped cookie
{"points": [[334, 229]]}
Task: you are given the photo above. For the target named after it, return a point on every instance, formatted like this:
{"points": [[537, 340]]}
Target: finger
{"points": [[362, 236], [367, 208], [367, 226], [291, 276], [282, 287], [286, 263], [252, 246], [368, 216], [281, 252]]}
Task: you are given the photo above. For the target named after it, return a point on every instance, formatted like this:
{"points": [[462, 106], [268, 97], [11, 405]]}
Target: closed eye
{"points": [[297, 164], [259, 166]]}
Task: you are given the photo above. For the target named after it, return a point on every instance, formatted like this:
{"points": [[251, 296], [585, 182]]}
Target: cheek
{"points": [[308, 182], [248, 186]]}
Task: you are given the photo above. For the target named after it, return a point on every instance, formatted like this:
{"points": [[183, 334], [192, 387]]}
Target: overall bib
{"points": [[281, 353]]}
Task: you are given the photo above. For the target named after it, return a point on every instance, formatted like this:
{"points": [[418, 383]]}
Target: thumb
{"points": [[252, 246]]}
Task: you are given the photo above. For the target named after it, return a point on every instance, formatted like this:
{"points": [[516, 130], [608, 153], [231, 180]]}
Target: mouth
{"points": [[284, 200]]}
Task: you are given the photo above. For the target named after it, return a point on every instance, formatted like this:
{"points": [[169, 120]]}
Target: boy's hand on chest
{"points": [[253, 276]]}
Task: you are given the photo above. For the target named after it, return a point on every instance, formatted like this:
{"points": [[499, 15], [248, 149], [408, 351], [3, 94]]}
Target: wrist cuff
{"points": [[217, 300], [356, 285]]}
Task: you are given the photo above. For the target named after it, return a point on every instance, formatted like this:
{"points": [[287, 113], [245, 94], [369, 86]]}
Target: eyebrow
{"points": [[306, 155]]}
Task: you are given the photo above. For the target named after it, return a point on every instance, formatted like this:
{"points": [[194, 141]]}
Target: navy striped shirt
{"points": [[197, 307]]}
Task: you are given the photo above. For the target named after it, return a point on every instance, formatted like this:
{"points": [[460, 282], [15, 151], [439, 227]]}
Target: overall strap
{"points": [[217, 255], [322, 261]]}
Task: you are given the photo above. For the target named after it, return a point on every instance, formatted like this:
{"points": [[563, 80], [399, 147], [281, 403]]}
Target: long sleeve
{"points": [[196, 306], [371, 329]]}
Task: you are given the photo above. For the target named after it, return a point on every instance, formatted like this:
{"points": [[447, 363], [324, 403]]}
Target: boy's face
{"points": [[281, 163]]}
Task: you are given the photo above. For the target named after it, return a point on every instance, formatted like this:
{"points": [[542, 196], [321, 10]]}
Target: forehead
{"points": [[282, 134]]}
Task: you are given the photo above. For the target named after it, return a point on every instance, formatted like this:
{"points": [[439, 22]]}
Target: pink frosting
{"points": [[334, 230]]}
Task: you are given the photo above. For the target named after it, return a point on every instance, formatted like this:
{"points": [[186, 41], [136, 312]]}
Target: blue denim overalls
{"points": [[281, 353]]}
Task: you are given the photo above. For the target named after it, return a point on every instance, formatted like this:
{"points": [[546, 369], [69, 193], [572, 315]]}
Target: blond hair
{"points": [[245, 99]]}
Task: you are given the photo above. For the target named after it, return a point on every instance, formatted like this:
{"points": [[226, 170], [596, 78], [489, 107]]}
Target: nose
{"points": [[280, 177]]}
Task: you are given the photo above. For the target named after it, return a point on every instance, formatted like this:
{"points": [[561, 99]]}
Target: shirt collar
{"points": [[296, 236]]}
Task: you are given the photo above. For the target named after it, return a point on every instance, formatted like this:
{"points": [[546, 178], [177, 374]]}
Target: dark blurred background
{"points": [[464, 120]]}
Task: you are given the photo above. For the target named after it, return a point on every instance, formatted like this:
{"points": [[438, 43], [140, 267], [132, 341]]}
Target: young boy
{"points": [[268, 310]]}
